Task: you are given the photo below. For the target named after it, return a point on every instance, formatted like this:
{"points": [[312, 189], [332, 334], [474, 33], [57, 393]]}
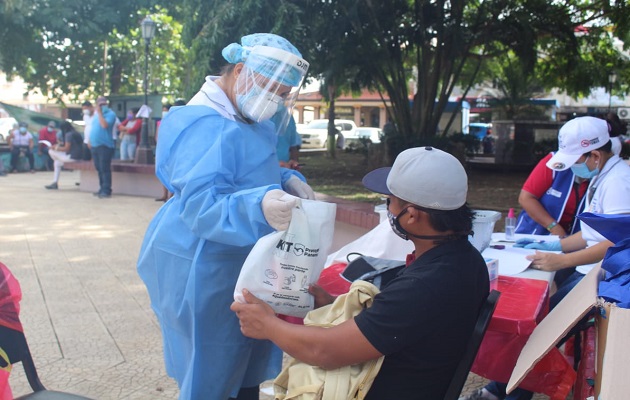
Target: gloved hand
{"points": [[276, 207], [296, 187], [538, 244]]}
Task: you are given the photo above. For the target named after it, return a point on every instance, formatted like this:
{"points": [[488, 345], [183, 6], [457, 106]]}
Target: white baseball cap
{"points": [[424, 176], [576, 137]]}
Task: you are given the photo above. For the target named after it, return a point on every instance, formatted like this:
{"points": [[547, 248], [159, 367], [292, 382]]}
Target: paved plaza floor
{"points": [[85, 311]]}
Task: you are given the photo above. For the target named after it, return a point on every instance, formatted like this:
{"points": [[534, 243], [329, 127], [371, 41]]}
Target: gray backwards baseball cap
{"points": [[424, 176]]}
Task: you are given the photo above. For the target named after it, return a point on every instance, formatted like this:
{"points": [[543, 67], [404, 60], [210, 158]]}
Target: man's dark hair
{"points": [[179, 102], [66, 127], [86, 104], [459, 220]]}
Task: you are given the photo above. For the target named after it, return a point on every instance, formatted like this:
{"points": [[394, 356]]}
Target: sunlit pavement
{"points": [[85, 311]]}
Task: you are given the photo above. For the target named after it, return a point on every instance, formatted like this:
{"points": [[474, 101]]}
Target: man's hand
{"points": [[321, 296], [255, 316]]}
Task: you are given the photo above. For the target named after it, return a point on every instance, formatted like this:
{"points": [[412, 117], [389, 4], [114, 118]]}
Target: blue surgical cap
{"points": [[236, 53], [269, 67]]}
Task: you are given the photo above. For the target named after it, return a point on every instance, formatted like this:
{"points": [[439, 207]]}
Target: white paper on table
{"points": [[512, 260]]}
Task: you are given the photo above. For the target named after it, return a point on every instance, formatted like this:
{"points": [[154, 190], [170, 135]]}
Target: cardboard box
{"points": [[613, 340]]}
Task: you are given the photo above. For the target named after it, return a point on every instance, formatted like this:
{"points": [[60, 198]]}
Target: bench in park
{"points": [[127, 178], [353, 219]]}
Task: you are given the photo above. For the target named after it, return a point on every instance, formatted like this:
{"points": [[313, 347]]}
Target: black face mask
{"points": [[394, 223]]}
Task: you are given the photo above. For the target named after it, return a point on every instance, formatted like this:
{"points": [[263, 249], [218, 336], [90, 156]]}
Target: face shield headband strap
{"points": [[439, 238], [280, 55]]}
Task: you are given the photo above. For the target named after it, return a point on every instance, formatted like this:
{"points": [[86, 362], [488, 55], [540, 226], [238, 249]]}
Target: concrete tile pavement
{"points": [[85, 311]]}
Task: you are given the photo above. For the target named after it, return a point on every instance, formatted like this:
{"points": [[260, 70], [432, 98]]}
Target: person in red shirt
{"points": [[541, 183], [129, 135], [48, 134]]}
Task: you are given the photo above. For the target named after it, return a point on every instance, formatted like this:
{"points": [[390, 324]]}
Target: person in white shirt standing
{"points": [[88, 114]]}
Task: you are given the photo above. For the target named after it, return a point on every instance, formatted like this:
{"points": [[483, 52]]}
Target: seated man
{"points": [[423, 317], [71, 149], [21, 142], [46, 140]]}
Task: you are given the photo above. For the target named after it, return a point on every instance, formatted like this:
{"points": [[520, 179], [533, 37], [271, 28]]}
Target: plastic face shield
{"points": [[269, 84]]}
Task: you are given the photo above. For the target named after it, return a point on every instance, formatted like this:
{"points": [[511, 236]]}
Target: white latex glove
{"points": [[296, 187], [277, 206]]}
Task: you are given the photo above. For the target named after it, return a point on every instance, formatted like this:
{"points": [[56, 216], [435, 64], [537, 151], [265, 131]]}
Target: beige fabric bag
{"points": [[300, 381]]}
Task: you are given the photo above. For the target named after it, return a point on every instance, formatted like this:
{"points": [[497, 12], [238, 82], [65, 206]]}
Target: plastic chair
{"points": [[14, 344], [463, 368]]}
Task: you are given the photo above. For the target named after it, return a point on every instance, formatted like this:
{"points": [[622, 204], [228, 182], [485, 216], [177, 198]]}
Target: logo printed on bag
{"points": [[297, 249]]}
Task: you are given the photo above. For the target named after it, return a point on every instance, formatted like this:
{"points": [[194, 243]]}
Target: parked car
{"points": [[365, 135], [315, 134]]}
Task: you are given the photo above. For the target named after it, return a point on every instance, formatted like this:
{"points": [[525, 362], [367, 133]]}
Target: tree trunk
{"points": [[331, 142]]}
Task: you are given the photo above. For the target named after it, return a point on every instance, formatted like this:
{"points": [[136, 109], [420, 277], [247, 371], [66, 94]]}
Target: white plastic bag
{"points": [[282, 264]]}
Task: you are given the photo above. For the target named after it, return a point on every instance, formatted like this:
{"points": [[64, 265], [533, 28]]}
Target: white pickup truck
{"points": [[315, 134]]}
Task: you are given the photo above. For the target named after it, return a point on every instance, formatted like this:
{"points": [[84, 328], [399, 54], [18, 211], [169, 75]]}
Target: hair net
{"points": [[285, 66], [236, 53]]}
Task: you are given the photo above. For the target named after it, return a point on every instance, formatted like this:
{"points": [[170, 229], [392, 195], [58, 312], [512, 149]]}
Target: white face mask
{"points": [[87, 112], [258, 104]]}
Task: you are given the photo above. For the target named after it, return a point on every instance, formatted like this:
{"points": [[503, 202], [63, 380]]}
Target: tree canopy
{"points": [[73, 47]]}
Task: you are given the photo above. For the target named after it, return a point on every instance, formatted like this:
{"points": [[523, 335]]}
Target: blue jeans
{"points": [[128, 147], [498, 388], [102, 156], [15, 157]]}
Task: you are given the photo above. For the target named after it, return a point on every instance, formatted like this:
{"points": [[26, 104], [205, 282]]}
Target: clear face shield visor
{"points": [[269, 84]]}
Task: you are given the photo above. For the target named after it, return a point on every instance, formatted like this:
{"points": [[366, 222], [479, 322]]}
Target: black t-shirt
{"points": [[422, 320], [76, 144]]}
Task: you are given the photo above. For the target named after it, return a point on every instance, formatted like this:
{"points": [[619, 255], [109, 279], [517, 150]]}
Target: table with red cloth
{"points": [[522, 305]]}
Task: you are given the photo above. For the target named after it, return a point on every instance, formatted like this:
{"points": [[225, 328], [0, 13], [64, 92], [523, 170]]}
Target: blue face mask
{"points": [[582, 171]]}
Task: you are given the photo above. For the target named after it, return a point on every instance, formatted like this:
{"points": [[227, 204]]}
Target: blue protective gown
{"points": [[218, 170]]}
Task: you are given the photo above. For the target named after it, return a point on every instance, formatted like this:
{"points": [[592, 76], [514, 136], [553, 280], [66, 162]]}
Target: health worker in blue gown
{"points": [[217, 155]]}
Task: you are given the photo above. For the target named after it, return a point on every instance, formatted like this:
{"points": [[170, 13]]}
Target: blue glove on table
{"points": [[538, 244]]}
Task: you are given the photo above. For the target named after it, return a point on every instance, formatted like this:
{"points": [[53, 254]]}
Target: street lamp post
{"points": [[144, 155], [612, 77]]}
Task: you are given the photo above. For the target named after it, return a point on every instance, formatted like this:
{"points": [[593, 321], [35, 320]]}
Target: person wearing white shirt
{"points": [[88, 114]]}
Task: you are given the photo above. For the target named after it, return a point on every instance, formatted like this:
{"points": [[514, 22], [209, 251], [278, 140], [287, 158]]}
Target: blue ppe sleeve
{"points": [[288, 173], [219, 171]]}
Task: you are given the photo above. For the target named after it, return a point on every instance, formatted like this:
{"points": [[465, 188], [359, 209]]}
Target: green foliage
{"points": [[213, 24], [68, 47], [471, 142], [544, 147], [439, 44]]}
